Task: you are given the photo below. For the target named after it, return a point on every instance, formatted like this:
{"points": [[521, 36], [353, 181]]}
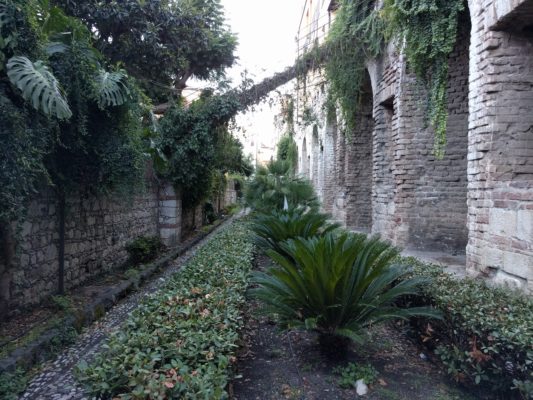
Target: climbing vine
{"points": [[427, 29], [357, 34], [198, 147], [430, 31]]}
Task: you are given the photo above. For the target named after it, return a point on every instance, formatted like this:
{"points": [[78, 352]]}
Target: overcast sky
{"points": [[266, 31]]}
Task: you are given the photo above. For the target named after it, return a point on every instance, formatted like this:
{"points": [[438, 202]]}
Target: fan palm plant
{"points": [[336, 284], [278, 226], [274, 184]]}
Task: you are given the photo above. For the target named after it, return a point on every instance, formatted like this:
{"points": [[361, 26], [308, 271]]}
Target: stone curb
{"points": [[39, 350]]}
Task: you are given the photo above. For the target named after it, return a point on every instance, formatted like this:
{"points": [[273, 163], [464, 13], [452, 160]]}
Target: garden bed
{"points": [[35, 336], [289, 365], [180, 342]]}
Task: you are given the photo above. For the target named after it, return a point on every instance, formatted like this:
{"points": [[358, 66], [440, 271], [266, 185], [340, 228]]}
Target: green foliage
{"points": [[196, 143], [161, 43], [336, 284], [274, 184], [111, 88], [180, 342], [353, 372], [288, 151], [62, 303], [38, 86], [485, 337], [429, 28], [144, 249], [357, 34], [13, 384], [97, 149], [274, 228]]}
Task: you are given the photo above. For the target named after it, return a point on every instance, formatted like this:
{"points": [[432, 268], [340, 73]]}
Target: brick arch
{"points": [[438, 213], [358, 163]]}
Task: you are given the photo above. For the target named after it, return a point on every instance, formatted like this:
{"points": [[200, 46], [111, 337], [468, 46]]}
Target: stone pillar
{"points": [[169, 215], [500, 152]]}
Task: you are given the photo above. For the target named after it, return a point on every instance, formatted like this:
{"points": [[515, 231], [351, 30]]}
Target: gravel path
{"points": [[56, 380]]}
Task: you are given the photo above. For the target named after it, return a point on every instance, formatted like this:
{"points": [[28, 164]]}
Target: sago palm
{"points": [[271, 229], [336, 284], [274, 184]]}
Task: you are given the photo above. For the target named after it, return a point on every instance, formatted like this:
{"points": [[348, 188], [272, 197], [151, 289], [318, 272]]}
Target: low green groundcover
{"points": [[180, 342], [486, 335]]}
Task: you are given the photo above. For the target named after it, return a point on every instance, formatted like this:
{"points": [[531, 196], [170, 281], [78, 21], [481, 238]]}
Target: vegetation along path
{"points": [[56, 379]]}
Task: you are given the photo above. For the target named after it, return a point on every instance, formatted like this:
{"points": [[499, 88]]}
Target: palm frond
{"points": [[38, 86], [342, 282]]}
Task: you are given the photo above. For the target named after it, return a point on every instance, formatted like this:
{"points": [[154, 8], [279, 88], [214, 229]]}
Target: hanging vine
{"points": [[429, 28], [357, 34]]}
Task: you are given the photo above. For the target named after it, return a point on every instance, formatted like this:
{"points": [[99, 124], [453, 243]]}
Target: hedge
{"points": [[486, 336], [180, 342]]}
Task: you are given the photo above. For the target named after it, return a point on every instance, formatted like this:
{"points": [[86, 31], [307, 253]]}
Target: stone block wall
{"points": [[96, 231]]}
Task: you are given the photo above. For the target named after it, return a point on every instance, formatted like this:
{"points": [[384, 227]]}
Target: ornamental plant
{"points": [[485, 337], [272, 229], [276, 184], [337, 285], [180, 342]]}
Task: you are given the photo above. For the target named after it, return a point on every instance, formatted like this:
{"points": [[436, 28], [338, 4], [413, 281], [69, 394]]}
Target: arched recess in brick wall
{"points": [[439, 215], [315, 161], [305, 160], [358, 162]]}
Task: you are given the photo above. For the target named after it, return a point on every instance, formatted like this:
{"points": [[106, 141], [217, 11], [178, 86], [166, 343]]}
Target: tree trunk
{"points": [[61, 245]]}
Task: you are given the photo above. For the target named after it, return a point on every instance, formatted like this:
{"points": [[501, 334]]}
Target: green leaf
{"points": [[38, 86], [111, 88]]}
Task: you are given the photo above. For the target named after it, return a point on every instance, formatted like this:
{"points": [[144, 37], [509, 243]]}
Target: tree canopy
{"points": [[162, 43]]}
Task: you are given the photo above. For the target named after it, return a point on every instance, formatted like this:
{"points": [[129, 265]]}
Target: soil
{"points": [[290, 365]]}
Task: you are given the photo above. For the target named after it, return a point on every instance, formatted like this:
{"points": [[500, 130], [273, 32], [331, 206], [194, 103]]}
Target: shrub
{"points": [[486, 335], [144, 249], [12, 384], [278, 226], [336, 284], [180, 342], [350, 374], [209, 213], [274, 184]]}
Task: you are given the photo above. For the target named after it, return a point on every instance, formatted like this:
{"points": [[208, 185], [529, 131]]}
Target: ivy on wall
{"points": [[430, 31], [425, 29], [357, 34]]}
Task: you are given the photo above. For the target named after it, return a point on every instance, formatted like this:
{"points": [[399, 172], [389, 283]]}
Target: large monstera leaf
{"points": [[38, 86], [111, 88]]}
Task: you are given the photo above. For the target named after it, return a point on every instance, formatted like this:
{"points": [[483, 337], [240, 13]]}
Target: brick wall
{"points": [[500, 154], [479, 198]]}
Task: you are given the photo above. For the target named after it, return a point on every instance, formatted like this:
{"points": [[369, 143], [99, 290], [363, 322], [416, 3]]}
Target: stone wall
{"points": [[500, 154], [96, 231], [477, 200]]}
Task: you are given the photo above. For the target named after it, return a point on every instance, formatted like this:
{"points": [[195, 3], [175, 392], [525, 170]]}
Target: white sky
{"points": [[266, 31]]}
